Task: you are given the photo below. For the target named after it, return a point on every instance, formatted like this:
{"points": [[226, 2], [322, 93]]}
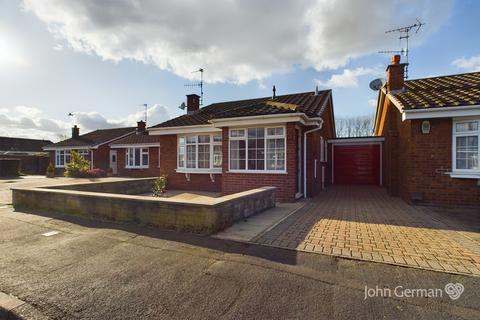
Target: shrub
{"points": [[50, 170], [93, 173], [160, 186], [77, 166]]}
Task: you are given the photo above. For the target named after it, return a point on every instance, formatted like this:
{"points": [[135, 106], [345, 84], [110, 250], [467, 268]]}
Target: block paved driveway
{"points": [[364, 222]]}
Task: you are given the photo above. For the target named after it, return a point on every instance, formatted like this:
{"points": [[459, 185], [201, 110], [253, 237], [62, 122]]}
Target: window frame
{"points": [[212, 144], [67, 152], [456, 134], [265, 137], [142, 153]]}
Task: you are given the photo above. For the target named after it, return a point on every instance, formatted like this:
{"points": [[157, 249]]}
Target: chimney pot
{"points": [[141, 127], [193, 103], [395, 59], [75, 131]]}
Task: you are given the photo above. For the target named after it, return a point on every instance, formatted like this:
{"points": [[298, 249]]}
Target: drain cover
{"points": [[50, 233]]}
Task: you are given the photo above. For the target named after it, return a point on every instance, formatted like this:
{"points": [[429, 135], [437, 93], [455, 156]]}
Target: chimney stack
{"points": [[193, 103], [395, 74], [141, 127], [75, 131]]}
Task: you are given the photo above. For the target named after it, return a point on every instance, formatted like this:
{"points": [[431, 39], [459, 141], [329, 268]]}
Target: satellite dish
{"points": [[376, 84], [183, 106]]}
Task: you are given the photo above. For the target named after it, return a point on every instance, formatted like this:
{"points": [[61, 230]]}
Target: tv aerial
{"points": [[197, 84], [404, 35]]}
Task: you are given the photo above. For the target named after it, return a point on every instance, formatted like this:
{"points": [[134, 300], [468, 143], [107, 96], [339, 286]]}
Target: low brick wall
{"points": [[132, 186], [203, 216]]}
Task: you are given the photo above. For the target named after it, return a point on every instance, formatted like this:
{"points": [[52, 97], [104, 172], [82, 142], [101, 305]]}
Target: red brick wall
{"points": [[101, 157], [153, 169], [415, 162], [168, 164], [286, 183]]}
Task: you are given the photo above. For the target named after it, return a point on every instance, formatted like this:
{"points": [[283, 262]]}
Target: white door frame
{"points": [[299, 164]]}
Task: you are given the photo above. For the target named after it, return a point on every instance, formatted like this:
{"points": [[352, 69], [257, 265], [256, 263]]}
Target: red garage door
{"points": [[356, 164]]}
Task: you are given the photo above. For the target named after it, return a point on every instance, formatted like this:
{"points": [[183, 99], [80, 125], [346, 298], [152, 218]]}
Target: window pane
{"points": [[237, 154], [467, 152], [466, 126], [192, 139], [217, 138], [191, 156], [145, 157], [276, 154], [204, 156], [137, 156], [217, 156], [181, 156], [275, 131], [203, 139], [237, 133]]}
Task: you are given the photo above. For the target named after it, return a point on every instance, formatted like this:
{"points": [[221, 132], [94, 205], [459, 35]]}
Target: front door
{"points": [[113, 161]]}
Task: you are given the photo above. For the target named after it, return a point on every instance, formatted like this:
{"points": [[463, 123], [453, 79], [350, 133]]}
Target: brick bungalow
{"points": [[233, 146], [431, 130], [138, 154], [94, 146]]}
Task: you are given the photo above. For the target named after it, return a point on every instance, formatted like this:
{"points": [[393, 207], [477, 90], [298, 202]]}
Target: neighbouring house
{"points": [[33, 160], [431, 130], [234, 146], [93, 146], [138, 155]]}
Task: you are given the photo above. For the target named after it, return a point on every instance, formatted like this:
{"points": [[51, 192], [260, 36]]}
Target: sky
{"points": [[102, 60]]}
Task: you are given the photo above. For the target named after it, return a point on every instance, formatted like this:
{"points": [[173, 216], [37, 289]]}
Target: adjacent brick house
{"points": [[234, 146], [94, 146], [29, 151], [431, 129]]}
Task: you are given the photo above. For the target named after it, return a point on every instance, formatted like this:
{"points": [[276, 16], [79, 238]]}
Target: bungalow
{"points": [[431, 130], [233, 146], [94, 146]]}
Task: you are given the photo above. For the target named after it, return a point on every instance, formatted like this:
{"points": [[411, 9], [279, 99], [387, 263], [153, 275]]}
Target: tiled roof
{"points": [[307, 102], [21, 144], [437, 92], [94, 138], [137, 139]]}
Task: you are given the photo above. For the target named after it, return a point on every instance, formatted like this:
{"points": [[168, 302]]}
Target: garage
{"points": [[356, 160]]}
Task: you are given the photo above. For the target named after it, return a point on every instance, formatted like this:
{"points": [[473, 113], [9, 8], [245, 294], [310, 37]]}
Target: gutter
{"points": [[441, 112], [319, 126]]}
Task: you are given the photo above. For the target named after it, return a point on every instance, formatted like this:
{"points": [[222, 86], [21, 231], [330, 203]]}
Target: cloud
{"points": [[236, 40], [372, 102], [27, 122], [349, 77], [468, 64]]}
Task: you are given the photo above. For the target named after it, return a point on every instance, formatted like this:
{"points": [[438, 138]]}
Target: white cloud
{"points": [[372, 102], [469, 64], [23, 121], [349, 77], [236, 40]]}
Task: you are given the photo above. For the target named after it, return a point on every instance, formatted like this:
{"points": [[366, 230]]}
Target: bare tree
{"points": [[360, 126]]}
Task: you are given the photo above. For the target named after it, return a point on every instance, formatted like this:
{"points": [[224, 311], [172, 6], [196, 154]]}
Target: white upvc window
{"points": [[465, 146], [202, 152], [136, 158], [84, 153], [62, 157], [259, 149]]}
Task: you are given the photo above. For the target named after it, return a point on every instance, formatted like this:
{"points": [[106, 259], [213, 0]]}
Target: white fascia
{"points": [[266, 120], [137, 145], [66, 148], [208, 128], [441, 112]]}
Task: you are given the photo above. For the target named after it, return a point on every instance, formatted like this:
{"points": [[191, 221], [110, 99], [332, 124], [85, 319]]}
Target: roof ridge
{"points": [[268, 97], [444, 76]]}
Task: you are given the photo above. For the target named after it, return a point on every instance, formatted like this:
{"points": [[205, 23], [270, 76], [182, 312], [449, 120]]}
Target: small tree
{"points": [[50, 171], [77, 166], [160, 186]]}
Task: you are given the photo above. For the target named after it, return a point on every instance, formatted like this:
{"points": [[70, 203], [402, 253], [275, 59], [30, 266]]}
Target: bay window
{"points": [[199, 152], [257, 149], [466, 152], [136, 158]]}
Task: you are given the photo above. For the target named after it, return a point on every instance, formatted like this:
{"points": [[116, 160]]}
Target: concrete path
{"points": [[363, 222], [253, 227], [95, 270]]}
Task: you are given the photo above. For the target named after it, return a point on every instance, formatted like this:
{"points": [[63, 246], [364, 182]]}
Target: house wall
{"points": [[101, 157], [168, 165], [153, 169], [417, 163], [285, 183]]}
